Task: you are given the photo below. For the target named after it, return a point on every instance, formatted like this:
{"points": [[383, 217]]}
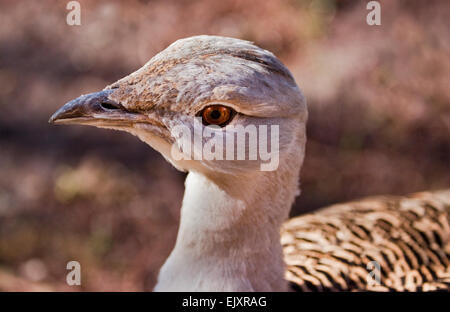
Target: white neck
{"points": [[231, 243]]}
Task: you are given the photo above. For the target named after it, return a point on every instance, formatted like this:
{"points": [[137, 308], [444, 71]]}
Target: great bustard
{"points": [[232, 212]]}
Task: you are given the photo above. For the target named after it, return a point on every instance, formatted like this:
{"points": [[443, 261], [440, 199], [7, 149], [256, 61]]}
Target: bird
{"points": [[233, 234]]}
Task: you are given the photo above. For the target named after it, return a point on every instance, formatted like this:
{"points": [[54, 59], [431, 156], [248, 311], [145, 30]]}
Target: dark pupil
{"points": [[215, 114]]}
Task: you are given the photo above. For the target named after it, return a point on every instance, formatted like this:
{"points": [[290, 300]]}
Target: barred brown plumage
{"points": [[409, 237]]}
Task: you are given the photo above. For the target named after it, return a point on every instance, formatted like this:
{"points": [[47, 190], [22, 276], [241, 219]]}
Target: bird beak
{"points": [[89, 109], [96, 109]]}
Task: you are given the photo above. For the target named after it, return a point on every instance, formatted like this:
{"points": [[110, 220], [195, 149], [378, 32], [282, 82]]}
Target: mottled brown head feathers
{"points": [[198, 69]]}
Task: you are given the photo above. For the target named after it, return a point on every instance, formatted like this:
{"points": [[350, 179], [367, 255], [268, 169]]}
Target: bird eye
{"points": [[217, 115]]}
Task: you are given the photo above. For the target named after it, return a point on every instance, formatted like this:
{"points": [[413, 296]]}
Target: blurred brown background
{"points": [[379, 101]]}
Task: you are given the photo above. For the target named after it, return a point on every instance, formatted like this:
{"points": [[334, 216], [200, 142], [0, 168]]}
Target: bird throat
{"points": [[229, 242]]}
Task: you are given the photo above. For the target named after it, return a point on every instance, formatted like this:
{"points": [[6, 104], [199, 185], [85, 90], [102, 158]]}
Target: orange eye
{"points": [[216, 115]]}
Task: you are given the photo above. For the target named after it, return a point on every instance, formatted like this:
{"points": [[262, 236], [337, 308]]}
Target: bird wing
{"points": [[379, 244]]}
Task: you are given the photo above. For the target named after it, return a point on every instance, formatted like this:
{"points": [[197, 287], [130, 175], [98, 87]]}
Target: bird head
{"points": [[198, 92]]}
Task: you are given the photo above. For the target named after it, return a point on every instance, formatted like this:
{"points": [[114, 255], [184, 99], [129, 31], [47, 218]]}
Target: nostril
{"points": [[108, 106]]}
